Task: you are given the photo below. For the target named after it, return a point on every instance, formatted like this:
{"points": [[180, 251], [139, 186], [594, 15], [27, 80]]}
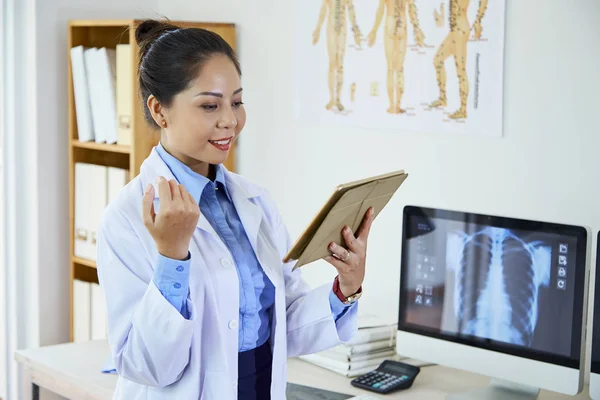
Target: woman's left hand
{"points": [[350, 262]]}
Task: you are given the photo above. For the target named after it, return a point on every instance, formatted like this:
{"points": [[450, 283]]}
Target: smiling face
{"points": [[205, 119]]}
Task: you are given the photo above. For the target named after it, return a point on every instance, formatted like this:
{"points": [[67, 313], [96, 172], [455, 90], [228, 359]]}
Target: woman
{"points": [[200, 305]]}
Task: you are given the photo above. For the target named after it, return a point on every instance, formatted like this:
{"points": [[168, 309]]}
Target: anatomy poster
{"points": [[425, 66]]}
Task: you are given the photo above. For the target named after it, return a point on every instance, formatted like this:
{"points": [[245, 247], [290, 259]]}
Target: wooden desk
{"points": [[73, 371], [432, 383]]}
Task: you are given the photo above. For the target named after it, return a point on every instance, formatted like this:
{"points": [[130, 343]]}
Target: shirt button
{"points": [[177, 285], [234, 383], [233, 324], [180, 268], [225, 262]]}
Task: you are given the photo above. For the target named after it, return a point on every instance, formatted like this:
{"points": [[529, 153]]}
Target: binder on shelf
{"points": [[83, 111], [81, 311], [117, 179], [95, 187], [97, 313], [89, 312], [90, 201], [95, 90], [81, 232], [107, 79], [124, 95]]}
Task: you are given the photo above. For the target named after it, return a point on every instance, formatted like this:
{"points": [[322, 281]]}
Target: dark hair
{"points": [[170, 57]]}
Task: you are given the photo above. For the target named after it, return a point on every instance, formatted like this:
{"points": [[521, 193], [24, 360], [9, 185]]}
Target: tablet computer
{"points": [[347, 205]]}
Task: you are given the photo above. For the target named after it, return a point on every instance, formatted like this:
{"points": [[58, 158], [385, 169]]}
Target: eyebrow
{"points": [[215, 94]]}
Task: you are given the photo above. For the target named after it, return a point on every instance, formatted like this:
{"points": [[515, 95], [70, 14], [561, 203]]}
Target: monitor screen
{"points": [[595, 368], [503, 284]]}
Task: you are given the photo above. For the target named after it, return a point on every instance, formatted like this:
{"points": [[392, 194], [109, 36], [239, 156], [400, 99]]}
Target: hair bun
{"points": [[150, 29]]}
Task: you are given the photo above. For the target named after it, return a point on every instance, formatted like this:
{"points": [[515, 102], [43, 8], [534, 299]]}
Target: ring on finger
{"points": [[347, 256]]}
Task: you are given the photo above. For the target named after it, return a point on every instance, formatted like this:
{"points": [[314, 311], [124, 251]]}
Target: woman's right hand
{"points": [[172, 228]]}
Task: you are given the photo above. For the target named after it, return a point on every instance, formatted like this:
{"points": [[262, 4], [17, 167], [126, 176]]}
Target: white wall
{"points": [[545, 167]]}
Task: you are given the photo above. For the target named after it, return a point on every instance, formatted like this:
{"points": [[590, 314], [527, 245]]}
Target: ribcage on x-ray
{"points": [[519, 284], [477, 252], [497, 285]]}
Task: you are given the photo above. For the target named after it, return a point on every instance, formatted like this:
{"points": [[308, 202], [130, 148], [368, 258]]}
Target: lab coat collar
{"points": [[193, 181], [242, 194]]}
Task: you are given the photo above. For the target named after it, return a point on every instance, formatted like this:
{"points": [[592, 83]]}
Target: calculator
{"points": [[388, 377]]}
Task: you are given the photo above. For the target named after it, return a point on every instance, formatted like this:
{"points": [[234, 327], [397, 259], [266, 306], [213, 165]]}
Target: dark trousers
{"points": [[254, 373]]}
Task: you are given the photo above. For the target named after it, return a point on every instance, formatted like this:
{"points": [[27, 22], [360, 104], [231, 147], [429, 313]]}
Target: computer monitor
{"points": [[497, 296], [595, 359]]}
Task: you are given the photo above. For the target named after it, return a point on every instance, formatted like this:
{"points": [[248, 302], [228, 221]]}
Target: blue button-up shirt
{"points": [[257, 293]]}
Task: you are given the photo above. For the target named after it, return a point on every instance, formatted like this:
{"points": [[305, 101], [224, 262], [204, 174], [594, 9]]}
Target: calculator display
{"points": [[394, 368]]}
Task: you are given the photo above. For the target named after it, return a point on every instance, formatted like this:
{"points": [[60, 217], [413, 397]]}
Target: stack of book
{"points": [[374, 342]]}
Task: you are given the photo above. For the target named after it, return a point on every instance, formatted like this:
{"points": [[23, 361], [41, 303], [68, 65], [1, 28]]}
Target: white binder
{"points": [[124, 94], [91, 187], [96, 201], [107, 78], [81, 311], [98, 313], [117, 179], [85, 127], [82, 234], [95, 92]]}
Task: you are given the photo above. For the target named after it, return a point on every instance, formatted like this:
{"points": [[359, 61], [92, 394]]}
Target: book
{"points": [[350, 358], [364, 348], [323, 360], [368, 335]]}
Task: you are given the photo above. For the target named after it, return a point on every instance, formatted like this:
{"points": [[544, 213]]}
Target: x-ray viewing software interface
{"points": [[484, 282]]}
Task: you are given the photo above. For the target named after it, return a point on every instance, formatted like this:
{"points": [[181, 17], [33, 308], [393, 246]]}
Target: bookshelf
{"points": [[108, 34]]}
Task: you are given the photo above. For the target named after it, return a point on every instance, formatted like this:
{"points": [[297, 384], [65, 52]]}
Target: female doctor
{"points": [[200, 305]]}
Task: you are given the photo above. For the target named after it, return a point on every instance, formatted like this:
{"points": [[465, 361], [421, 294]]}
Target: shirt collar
{"points": [[193, 181]]}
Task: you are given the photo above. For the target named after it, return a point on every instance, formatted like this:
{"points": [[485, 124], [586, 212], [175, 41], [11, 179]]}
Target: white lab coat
{"points": [[159, 354]]}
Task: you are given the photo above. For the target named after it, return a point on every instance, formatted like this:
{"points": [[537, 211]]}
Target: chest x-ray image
{"points": [[497, 277], [487, 283]]}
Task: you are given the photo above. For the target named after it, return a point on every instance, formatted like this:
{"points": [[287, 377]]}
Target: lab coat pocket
{"points": [[217, 385]]}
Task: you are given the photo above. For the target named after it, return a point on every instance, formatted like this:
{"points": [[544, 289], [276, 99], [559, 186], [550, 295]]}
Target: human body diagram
{"points": [[395, 38], [337, 13], [455, 44], [396, 16]]}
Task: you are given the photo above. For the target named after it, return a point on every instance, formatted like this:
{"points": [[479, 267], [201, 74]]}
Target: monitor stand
{"points": [[499, 390]]}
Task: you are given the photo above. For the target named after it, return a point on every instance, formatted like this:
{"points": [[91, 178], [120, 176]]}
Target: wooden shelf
{"points": [[114, 148], [84, 261], [92, 23], [85, 273]]}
